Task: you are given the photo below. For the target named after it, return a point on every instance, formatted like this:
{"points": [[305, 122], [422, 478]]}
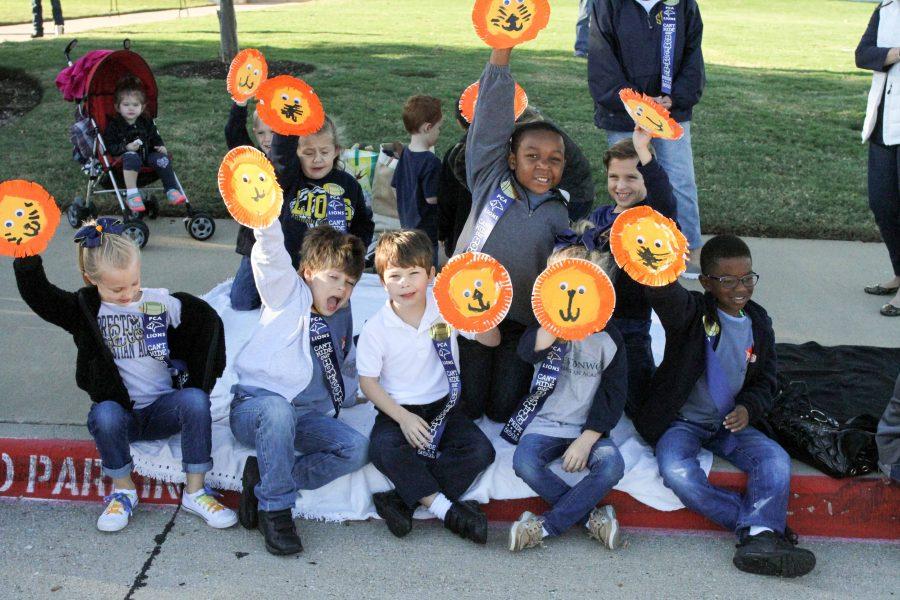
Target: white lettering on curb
{"points": [[8, 480], [32, 471], [67, 472]]}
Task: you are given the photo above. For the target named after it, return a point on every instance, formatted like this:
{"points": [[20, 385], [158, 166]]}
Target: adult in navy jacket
{"points": [[626, 52]]}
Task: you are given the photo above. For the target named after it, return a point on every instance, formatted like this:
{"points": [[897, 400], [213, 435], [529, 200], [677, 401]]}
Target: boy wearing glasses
{"points": [[716, 378]]}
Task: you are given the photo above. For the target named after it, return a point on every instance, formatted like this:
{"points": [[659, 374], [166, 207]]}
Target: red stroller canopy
{"points": [[101, 87]]}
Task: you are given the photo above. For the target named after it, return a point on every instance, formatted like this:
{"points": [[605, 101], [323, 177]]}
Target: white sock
{"points": [[131, 191], [440, 506], [756, 530]]}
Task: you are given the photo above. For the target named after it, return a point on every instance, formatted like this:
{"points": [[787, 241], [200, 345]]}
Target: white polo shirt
{"points": [[403, 357]]}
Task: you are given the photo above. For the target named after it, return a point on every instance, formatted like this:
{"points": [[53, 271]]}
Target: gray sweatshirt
{"points": [[523, 238]]}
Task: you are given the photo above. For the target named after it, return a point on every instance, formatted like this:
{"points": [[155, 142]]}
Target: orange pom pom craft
{"points": [[247, 72], [508, 23], [289, 106], [473, 292], [248, 185], [470, 97], [650, 115], [648, 246], [28, 218], [573, 298]]}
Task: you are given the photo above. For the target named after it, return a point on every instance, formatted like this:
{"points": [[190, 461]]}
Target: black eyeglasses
{"points": [[729, 283]]}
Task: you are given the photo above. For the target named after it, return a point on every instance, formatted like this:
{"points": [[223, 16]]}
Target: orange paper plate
{"points": [[648, 246], [248, 185], [473, 292], [289, 106], [650, 115], [573, 298], [28, 218], [508, 23], [247, 72], [470, 97]]}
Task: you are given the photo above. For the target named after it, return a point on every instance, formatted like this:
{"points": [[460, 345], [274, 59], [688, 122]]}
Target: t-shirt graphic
{"points": [[310, 207]]}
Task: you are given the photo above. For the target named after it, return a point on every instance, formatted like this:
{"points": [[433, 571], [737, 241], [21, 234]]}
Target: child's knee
{"points": [[526, 464], [159, 161], [131, 161], [195, 403], [608, 461], [106, 417], [358, 452]]}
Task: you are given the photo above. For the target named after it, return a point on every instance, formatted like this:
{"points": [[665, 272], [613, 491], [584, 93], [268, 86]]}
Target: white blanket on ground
{"points": [[350, 497]]}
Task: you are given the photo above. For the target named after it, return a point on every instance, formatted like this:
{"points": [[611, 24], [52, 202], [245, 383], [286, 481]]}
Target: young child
{"points": [[401, 372], [129, 341], [133, 136], [634, 177], [294, 375], [716, 378], [416, 177], [519, 168], [454, 201], [573, 422]]}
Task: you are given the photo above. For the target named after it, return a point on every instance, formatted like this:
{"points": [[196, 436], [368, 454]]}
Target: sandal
{"points": [[889, 310], [879, 290]]}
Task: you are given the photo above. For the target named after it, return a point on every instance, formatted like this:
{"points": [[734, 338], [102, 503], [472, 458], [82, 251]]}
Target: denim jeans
{"points": [[244, 295], [582, 26], [326, 448], [131, 161], [884, 197], [37, 14], [571, 504], [638, 351], [677, 158], [113, 427], [768, 468]]}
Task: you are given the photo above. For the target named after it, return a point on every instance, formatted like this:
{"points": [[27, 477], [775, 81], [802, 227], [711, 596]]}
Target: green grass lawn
{"points": [[776, 135], [19, 11]]}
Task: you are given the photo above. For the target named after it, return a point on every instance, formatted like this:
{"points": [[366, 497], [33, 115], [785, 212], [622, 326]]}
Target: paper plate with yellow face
{"points": [[248, 186], [28, 218], [473, 292], [507, 23], [470, 97], [648, 246], [650, 115], [289, 106], [573, 298], [248, 71]]}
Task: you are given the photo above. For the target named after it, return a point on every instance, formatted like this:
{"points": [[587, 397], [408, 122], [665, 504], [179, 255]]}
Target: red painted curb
{"points": [[819, 505]]}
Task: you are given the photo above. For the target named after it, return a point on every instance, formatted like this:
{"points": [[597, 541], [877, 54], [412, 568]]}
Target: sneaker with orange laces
{"points": [[175, 197], [205, 504], [118, 511]]}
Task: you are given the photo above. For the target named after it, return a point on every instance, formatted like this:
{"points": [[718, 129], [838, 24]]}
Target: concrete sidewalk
{"points": [[812, 289]]}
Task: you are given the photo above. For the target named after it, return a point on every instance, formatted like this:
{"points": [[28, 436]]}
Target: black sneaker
{"points": [[280, 532], [391, 507], [770, 553], [248, 508], [466, 520]]}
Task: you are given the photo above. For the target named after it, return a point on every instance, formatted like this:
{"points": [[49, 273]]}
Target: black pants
{"points": [[37, 14], [884, 196], [464, 452], [494, 380], [638, 351]]}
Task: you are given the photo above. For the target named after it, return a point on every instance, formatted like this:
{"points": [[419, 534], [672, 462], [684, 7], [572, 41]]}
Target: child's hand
{"points": [[414, 429], [162, 150], [664, 101], [241, 102], [737, 419], [641, 140], [134, 146], [576, 455]]}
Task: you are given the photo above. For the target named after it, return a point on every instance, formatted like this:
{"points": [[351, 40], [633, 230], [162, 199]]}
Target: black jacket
{"points": [[681, 313], [624, 51], [454, 200], [236, 135], [119, 134], [199, 340]]}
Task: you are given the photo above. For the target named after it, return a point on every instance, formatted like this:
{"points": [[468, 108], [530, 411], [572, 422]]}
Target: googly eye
{"points": [[478, 283], [249, 67], [640, 240], [467, 293], [256, 72], [639, 111], [262, 176], [246, 178], [658, 243], [563, 286], [9, 224], [284, 97], [581, 289], [20, 213], [297, 101]]}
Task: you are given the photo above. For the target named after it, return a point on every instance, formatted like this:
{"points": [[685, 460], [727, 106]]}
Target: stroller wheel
{"points": [[73, 214], [152, 205], [201, 226], [137, 231]]}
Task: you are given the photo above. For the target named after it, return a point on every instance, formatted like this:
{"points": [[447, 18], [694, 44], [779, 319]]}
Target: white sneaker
{"points": [[204, 504], [527, 532], [118, 511], [603, 526]]}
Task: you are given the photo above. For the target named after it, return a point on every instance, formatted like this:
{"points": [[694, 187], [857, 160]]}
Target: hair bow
{"points": [[592, 239], [90, 236]]}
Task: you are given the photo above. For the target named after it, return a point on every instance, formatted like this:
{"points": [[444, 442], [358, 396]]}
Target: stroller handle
{"points": [[69, 47]]}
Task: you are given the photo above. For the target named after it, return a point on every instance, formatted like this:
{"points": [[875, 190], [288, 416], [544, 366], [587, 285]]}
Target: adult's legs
{"points": [[56, 6], [243, 294], [582, 27], [328, 447], [464, 453], [884, 198], [677, 158], [37, 18]]}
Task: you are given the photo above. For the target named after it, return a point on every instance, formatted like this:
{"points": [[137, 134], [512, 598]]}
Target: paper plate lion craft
{"points": [[473, 292], [28, 218], [246, 74], [289, 106], [248, 186], [470, 97], [650, 115], [648, 246], [507, 23], [573, 298]]}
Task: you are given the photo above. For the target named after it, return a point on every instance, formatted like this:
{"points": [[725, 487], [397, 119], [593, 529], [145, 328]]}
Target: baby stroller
{"points": [[95, 105]]}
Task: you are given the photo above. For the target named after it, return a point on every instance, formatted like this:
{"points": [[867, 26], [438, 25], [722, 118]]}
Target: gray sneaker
{"points": [[604, 527], [526, 532]]}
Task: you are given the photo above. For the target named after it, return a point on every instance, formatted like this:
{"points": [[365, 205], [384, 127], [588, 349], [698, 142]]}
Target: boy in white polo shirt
{"points": [[407, 361]]}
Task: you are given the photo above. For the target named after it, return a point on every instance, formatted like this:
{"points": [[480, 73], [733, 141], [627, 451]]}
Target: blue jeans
{"points": [[327, 448], [638, 351], [571, 505], [768, 468], [582, 26], [132, 161], [113, 427], [677, 158], [244, 295]]}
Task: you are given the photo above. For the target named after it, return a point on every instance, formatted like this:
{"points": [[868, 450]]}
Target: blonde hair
{"points": [[330, 128], [604, 260], [114, 251], [404, 248]]}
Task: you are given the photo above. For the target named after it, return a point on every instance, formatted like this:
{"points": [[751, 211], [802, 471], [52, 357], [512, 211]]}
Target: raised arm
{"points": [[283, 156], [494, 120], [674, 305], [276, 279], [236, 127], [50, 303]]}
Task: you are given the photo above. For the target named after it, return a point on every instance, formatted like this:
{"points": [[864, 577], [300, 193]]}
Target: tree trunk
{"points": [[227, 31]]}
